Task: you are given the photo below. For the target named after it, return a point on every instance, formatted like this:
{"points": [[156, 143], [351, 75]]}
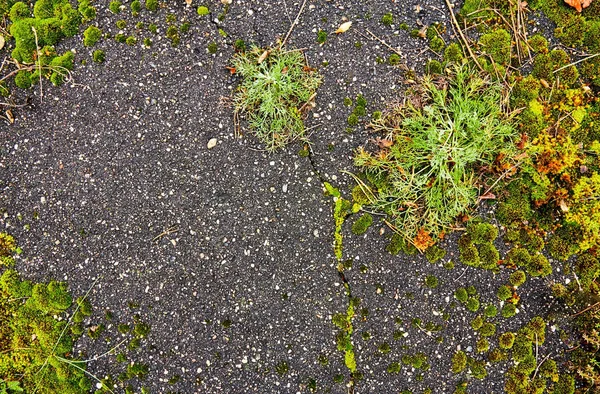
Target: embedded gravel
{"points": [[227, 252]]}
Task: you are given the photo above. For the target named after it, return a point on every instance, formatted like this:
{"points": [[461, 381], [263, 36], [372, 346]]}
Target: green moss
{"points": [[321, 36], [522, 347], [131, 41], [487, 329], [482, 232], [23, 81], [394, 59], [497, 44], [212, 47], [352, 120], [496, 355], [509, 310], [121, 24], [394, 368], [571, 30], [434, 254], [437, 44], [152, 28], [136, 7], [431, 281], [483, 345], [461, 295], [490, 311], [453, 53], [19, 11], [477, 323], [91, 36], [361, 225], [282, 368], [565, 384], [152, 5], [525, 90], [478, 370], [517, 278], [115, 6], [433, 67], [203, 10], [538, 43], [120, 38], [539, 266], [506, 340], [387, 19], [449, 265], [60, 65], [147, 42], [473, 304]]}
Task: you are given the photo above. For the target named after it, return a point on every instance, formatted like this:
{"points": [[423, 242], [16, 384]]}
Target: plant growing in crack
{"points": [[276, 90]]}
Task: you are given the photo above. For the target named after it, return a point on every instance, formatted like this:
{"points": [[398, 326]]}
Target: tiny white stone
{"points": [[211, 143]]}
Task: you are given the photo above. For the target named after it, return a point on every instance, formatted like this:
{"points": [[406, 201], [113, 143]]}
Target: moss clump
{"points": [[52, 21], [362, 224], [487, 329], [136, 7], [477, 369], [431, 281], [473, 304], [433, 67], [8, 245], [437, 44], [477, 323], [461, 295], [538, 43], [453, 53], [131, 41], [115, 6], [459, 362], [504, 293], [476, 246], [490, 311], [387, 19], [394, 59], [152, 5], [509, 310], [121, 38], [506, 340], [497, 44], [434, 254], [212, 48], [23, 81], [352, 120], [91, 36], [483, 345], [496, 355], [203, 10], [35, 335], [517, 278], [99, 56]]}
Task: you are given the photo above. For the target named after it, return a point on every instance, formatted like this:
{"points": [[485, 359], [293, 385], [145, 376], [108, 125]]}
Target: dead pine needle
{"points": [[462, 36], [293, 25]]}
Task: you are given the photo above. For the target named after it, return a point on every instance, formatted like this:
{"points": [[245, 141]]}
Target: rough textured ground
{"points": [[93, 174]]}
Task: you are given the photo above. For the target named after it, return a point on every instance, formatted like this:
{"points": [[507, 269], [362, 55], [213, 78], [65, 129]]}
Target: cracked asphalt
{"points": [[227, 252]]}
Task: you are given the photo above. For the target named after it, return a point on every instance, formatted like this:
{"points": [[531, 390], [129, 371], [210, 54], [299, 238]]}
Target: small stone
{"points": [[211, 143]]}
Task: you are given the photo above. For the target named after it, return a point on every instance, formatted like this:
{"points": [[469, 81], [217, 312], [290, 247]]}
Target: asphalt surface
{"points": [[228, 251]]}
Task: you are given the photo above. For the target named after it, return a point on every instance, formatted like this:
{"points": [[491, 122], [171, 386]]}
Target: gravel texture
{"points": [[228, 250]]}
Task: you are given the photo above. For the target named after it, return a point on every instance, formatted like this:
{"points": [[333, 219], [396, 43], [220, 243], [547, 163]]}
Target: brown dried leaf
{"points": [[263, 56], [343, 27], [188, 2], [579, 5]]}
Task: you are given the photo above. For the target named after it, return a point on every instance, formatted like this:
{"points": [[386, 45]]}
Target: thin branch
{"points": [[586, 309], [170, 230], [391, 48], [39, 61], [462, 36], [577, 62], [293, 25]]}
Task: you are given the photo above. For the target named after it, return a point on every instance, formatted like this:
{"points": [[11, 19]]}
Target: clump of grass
{"points": [[428, 172], [273, 93]]}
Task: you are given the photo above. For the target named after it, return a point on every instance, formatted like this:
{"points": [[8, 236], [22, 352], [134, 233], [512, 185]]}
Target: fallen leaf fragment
{"points": [[188, 2], [211, 143], [10, 116], [563, 206], [579, 5], [232, 70], [263, 56], [1, 41], [343, 27]]}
